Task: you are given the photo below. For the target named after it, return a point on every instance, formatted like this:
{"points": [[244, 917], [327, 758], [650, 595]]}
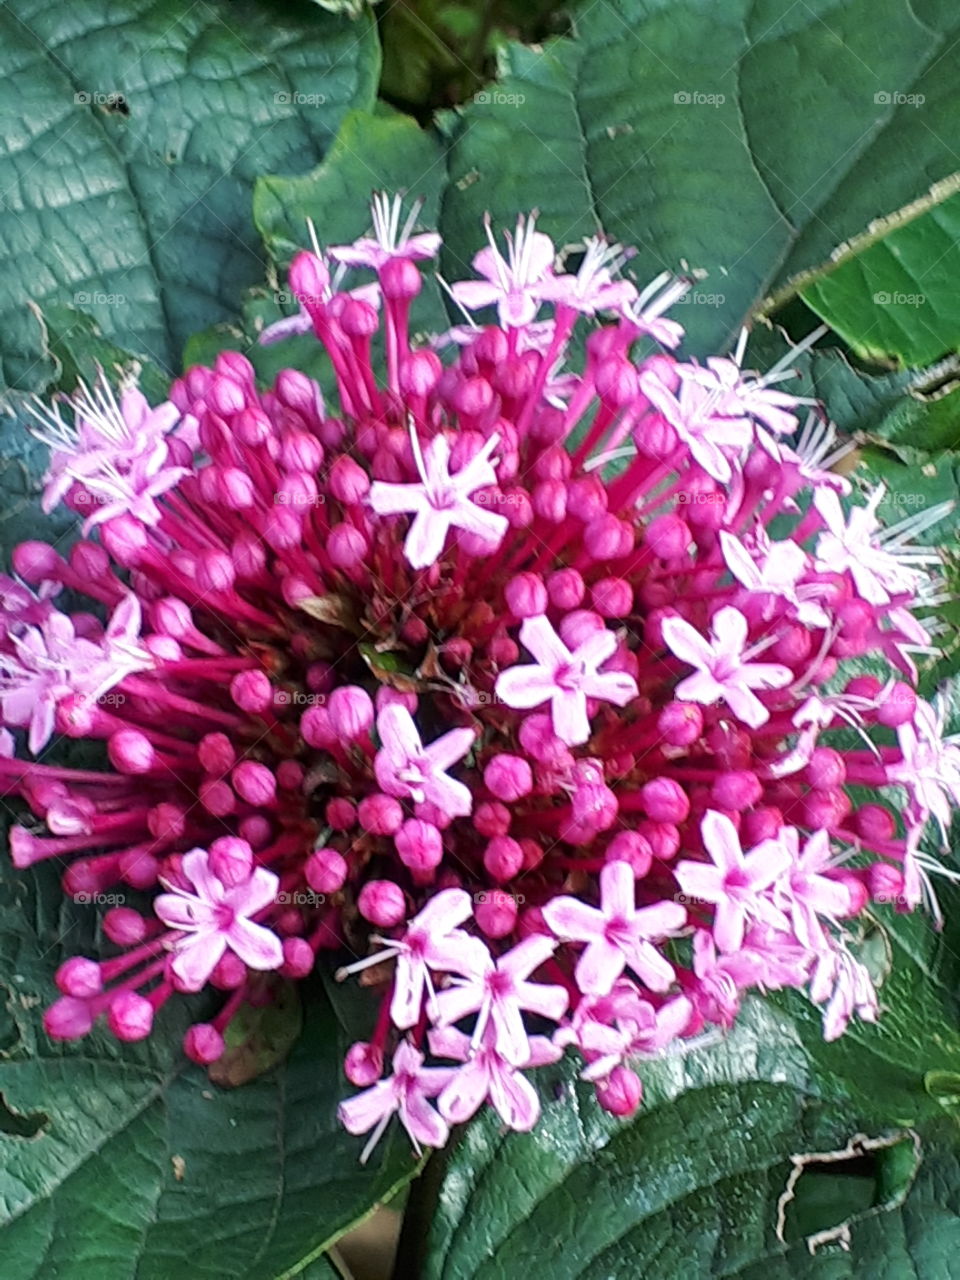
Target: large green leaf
{"points": [[749, 139], [694, 1186], [125, 1161], [135, 129], [897, 299]]}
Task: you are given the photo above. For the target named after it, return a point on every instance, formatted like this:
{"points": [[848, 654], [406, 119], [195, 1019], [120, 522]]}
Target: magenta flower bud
{"points": [[125, 540], [309, 281], [664, 800], [256, 829], [826, 769], [578, 626], [347, 481], [346, 546], [316, 727], [252, 691], [508, 777], [235, 365], [351, 712], [254, 783], [229, 973], [566, 588], [759, 825], [898, 707], [473, 397], [668, 537], [503, 651], [621, 1092], [655, 438], [616, 381], [630, 847], [826, 808], [503, 858], [363, 1064], [166, 821], [217, 797], [37, 562], [680, 723], [225, 397], [130, 1016], [539, 741], [586, 499], [79, 977], [857, 889], [663, 839], [387, 697], [67, 1019], [736, 790], [298, 958], [203, 1043], [124, 926], [131, 751], [215, 570], [594, 806], [231, 860], [793, 647], [216, 754], [380, 815], [88, 560], [301, 452], [495, 913], [491, 819], [249, 557], [608, 538], [526, 595], [419, 845], [326, 871], [874, 822], [358, 318], [867, 687], [884, 882], [553, 464], [341, 814], [420, 373], [612, 597], [382, 903], [295, 390], [400, 279], [533, 853], [549, 499]]}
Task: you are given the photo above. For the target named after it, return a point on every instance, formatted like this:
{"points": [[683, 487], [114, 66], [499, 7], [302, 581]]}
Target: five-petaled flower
{"points": [[405, 767]]}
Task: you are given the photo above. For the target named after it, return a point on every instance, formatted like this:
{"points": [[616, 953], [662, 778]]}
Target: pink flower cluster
{"points": [[520, 685]]}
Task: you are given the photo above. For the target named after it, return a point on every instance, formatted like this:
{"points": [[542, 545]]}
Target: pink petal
{"points": [[599, 967], [466, 1092], [618, 889], [393, 499], [611, 686], [449, 749], [257, 947], [544, 999], [686, 642], [539, 638], [399, 735], [515, 1100], [745, 705], [454, 798], [455, 1003], [527, 955], [183, 911], [721, 840], [196, 868], [444, 912], [511, 1034], [448, 1042], [728, 925], [525, 687], [426, 537], [360, 1113], [424, 1125], [258, 892], [474, 294], [571, 723], [409, 982], [660, 919], [650, 966], [197, 958], [699, 881], [571, 918]]}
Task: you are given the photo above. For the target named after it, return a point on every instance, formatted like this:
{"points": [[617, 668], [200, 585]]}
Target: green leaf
{"points": [[696, 1183], [897, 299], [136, 132], [124, 1160], [745, 139], [259, 1036]]}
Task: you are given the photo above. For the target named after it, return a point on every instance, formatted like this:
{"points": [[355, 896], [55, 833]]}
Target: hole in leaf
{"points": [[827, 1190], [18, 1125]]}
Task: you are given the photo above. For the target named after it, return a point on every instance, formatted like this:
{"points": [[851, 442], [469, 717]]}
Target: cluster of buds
{"points": [[518, 685]]}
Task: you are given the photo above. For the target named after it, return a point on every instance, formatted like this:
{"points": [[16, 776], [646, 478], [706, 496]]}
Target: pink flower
{"points": [[404, 767], [431, 941], [487, 1076], [776, 569], [846, 987], [565, 678], [50, 661], [406, 1094], [740, 398], [848, 545], [390, 240], [215, 919], [930, 767], [499, 993], [737, 884], [594, 287], [441, 501], [808, 893], [692, 412], [117, 452], [618, 935], [513, 283], [723, 669]]}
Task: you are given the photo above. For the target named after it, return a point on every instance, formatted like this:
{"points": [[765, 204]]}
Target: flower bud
{"points": [[130, 1016], [203, 1043], [621, 1092], [382, 903], [508, 777]]}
